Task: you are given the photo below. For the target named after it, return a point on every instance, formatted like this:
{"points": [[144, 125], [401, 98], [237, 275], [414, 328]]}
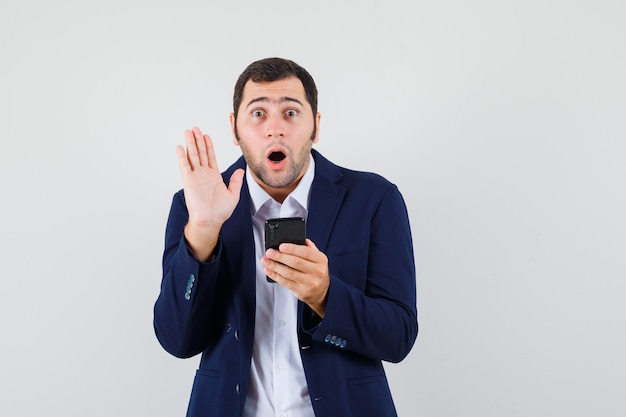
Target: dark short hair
{"points": [[275, 69]]}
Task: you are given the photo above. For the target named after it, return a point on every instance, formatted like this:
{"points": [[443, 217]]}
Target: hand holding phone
{"points": [[284, 230]]}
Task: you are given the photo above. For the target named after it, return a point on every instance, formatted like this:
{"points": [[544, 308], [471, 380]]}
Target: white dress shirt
{"points": [[277, 385]]}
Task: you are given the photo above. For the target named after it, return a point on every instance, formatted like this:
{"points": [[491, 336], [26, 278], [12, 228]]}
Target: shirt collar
{"points": [[258, 196]]}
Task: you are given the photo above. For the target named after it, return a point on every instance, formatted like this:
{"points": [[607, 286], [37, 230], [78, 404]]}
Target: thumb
{"points": [[236, 181], [310, 244]]}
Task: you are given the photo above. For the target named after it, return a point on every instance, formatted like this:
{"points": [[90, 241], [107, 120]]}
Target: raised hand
{"points": [[209, 202]]}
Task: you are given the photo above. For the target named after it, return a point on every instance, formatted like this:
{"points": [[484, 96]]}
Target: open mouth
{"points": [[276, 156]]}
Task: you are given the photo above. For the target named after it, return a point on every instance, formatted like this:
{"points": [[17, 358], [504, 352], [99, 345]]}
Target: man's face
{"points": [[275, 129]]}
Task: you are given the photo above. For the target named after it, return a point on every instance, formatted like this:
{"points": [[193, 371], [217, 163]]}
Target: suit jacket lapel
{"points": [[325, 201], [238, 229]]}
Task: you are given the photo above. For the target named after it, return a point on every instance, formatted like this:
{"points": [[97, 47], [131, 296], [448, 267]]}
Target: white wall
{"points": [[501, 121]]}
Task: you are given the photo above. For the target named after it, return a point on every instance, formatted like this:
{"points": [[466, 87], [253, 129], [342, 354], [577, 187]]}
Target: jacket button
{"points": [[187, 296], [343, 343], [236, 334], [327, 338], [237, 388]]}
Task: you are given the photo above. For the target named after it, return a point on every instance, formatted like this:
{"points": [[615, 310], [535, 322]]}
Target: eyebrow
{"points": [[281, 100]]}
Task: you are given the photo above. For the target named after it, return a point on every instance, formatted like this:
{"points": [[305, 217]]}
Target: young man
{"points": [[311, 343]]}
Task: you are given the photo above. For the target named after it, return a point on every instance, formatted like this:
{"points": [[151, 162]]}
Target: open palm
{"points": [[209, 202]]}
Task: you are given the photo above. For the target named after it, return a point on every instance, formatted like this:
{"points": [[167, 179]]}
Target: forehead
{"points": [[290, 87]]}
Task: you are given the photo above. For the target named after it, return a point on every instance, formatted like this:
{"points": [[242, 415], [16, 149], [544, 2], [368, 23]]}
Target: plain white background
{"points": [[502, 122]]}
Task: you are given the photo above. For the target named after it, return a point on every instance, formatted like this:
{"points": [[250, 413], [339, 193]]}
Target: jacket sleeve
{"points": [[378, 316], [184, 308]]}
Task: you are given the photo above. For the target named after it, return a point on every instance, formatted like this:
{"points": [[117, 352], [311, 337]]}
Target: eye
{"points": [[291, 113], [258, 113]]}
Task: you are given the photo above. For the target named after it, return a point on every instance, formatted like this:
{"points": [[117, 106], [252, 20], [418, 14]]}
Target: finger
{"points": [[270, 273], [293, 262], [280, 272], [192, 149], [310, 244], [201, 146], [210, 149], [301, 251], [268, 267], [183, 162]]}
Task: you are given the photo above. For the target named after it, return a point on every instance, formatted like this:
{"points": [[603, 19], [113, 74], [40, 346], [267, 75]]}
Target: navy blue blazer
{"points": [[359, 220]]}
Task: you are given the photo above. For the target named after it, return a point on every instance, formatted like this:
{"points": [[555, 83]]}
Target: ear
{"points": [[233, 129], [318, 117]]}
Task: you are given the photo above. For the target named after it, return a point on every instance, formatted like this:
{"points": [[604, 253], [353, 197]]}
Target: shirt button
{"points": [[282, 323], [281, 366]]}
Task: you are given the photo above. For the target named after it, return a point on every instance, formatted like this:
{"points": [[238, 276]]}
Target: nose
{"points": [[274, 127]]}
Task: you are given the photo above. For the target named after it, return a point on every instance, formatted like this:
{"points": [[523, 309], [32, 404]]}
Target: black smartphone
{"points": [[284, 230]]}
